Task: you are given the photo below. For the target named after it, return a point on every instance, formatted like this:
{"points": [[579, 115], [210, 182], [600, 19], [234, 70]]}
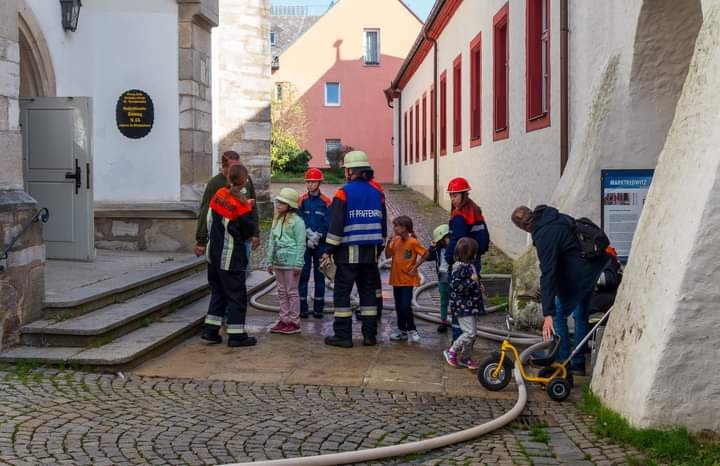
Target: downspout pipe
{"points": [[400, 138], [436, 159], [564, 85]]}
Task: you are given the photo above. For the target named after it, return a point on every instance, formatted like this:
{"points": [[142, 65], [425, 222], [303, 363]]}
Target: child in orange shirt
{"points": [[407, 255]]}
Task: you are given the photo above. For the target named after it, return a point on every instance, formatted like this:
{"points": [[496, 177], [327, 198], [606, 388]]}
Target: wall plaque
{"points": [[134, 114]]}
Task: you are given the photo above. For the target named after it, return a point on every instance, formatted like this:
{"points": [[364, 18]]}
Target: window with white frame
{"points": [[332, 94], [273, 38], [372, 46], [279, 91]]}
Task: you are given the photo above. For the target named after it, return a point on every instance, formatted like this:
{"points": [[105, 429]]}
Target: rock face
{"points": [[658, 363], [525, 309], [243, 93]]}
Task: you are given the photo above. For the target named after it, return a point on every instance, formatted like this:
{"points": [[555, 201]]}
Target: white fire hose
{"points": [[419, 446]]}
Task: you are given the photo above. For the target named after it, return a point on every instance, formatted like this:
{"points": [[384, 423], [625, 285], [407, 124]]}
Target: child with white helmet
{"points": [[441, 239]]}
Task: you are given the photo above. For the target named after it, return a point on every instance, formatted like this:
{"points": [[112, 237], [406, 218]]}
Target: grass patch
{"points": [[265, 224], [673, 446], [539, 434], [497, 301], [332, 176]]}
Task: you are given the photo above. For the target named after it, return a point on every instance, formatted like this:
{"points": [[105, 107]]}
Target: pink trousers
{"points": [[288, 295]]}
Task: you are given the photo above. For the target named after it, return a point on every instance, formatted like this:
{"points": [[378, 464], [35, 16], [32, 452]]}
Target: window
{"points": [[424, 126], [433, 122], [443, 113], [412, 142], [332, 151], [538, 65], [332, 94], [406, 138], [417, 130], [476, 91], [273, 38], [372, 47], [279, 92], [457, 104], [500, 74]]}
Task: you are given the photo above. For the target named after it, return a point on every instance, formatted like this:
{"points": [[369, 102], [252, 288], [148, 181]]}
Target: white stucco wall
{"points": [[523, 169], [662, 337], [118, 46]]}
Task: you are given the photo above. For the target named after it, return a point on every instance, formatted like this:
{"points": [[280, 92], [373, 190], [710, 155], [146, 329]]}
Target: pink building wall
{"points": [[332, 50]]}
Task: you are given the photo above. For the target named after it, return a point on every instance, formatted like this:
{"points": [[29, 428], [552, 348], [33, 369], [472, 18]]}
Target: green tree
{"points": [[289, 126]]}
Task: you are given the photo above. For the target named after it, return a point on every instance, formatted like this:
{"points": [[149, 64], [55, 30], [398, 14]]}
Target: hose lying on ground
{"points": [[419, 446]]}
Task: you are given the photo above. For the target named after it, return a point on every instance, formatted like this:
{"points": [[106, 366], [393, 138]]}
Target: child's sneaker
{"points": [[469, 363], [399, 335], [290, 329], [450, 357], [414, 336], [279, 327]]}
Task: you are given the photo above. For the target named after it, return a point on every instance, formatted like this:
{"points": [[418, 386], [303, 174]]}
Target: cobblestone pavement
{"points": [[54, 417], [49, 416]]}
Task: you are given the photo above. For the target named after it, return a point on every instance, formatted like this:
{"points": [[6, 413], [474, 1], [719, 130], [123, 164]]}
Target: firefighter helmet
{"points": [[441, 232], [356, 159], [458, 185], [314, 174]]}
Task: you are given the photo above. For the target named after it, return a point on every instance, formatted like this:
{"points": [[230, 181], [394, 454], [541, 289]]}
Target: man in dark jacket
{"points": [[567, 278], [228, 159]]}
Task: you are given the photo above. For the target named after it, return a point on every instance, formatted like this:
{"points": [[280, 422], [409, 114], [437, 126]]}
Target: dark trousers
{"points": [[362, 275], [228, 299], [403, 306], [378, 293], [312, 262]]}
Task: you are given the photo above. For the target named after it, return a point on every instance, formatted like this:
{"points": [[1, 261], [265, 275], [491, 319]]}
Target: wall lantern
{"points": [[70, 10]]}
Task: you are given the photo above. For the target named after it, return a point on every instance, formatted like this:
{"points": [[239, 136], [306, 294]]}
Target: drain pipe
{"points": [[564, 69], [436, 159], [400, 137]]}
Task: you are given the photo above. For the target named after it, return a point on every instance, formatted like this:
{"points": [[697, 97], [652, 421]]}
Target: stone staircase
{"points": [[121, 322]]}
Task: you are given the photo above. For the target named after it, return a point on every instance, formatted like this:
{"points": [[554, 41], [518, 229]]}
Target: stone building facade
{"points": [[243, 89], [21, 274]]}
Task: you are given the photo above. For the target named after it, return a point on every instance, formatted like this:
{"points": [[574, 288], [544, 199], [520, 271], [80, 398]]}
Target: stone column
{"points": [[21, 279], [196, 18], [658, 360], [245, 89]]}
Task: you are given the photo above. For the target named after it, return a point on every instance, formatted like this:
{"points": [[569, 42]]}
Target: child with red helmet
{"points": [[313, 208]]}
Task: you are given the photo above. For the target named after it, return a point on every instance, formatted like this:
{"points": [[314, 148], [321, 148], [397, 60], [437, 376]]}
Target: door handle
{"points": [[76, 175]]}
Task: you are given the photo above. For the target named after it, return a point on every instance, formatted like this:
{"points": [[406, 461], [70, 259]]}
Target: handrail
{"points": [[41, 214]]}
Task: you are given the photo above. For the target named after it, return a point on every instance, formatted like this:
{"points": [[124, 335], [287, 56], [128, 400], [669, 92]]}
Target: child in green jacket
{"points": [[286, 256]]}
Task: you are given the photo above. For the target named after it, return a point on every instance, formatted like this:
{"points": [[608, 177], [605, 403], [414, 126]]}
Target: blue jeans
{"points": [[312, 261], [403, 306], [580, 316]]}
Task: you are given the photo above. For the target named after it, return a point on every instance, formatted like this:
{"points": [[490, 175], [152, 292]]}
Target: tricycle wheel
{"points": [[486, 369], [558, 389]]}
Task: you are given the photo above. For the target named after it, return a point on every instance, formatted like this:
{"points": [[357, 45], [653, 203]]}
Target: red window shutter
{"points": [[500, 73], [443, 114], [412, 143], [406, 139], [475, 89], [534, 58], [424, 127], [457, 104], [433, 122], [417, 131]]}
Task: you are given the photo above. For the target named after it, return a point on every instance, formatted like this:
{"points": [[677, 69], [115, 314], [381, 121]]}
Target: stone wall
{"points": [[22, 287], [196, 18], [162, 227], [244, 89]]}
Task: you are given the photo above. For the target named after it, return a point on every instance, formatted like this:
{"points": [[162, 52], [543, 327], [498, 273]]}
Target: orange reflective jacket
{"points": [[229, 206]]}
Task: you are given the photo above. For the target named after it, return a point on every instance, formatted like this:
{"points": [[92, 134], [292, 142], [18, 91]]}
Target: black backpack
{"points": [[592, 239]]}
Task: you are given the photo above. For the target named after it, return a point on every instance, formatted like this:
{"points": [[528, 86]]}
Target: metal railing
{"points": [[41, 214]]}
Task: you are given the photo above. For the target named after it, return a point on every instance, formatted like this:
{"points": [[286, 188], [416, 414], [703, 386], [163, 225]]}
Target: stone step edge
{"points": [[71, 353], [149, 277], [45, 327]]}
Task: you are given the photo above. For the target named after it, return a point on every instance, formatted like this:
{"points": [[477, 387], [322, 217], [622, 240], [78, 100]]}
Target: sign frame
{"points": [[134, 114]]}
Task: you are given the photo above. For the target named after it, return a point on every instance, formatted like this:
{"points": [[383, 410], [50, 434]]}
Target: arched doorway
{"points": [[37, 74]]}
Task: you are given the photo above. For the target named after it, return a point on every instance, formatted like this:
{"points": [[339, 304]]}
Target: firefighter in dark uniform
{"points": [[358, 227]]}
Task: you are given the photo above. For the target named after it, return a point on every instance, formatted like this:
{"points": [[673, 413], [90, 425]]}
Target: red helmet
{"points": [[314, 174], [458, 185]]}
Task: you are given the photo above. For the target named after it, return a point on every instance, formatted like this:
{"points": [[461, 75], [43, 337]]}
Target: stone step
{"points": [[133, 348], [116, 319], [75, 301]]}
